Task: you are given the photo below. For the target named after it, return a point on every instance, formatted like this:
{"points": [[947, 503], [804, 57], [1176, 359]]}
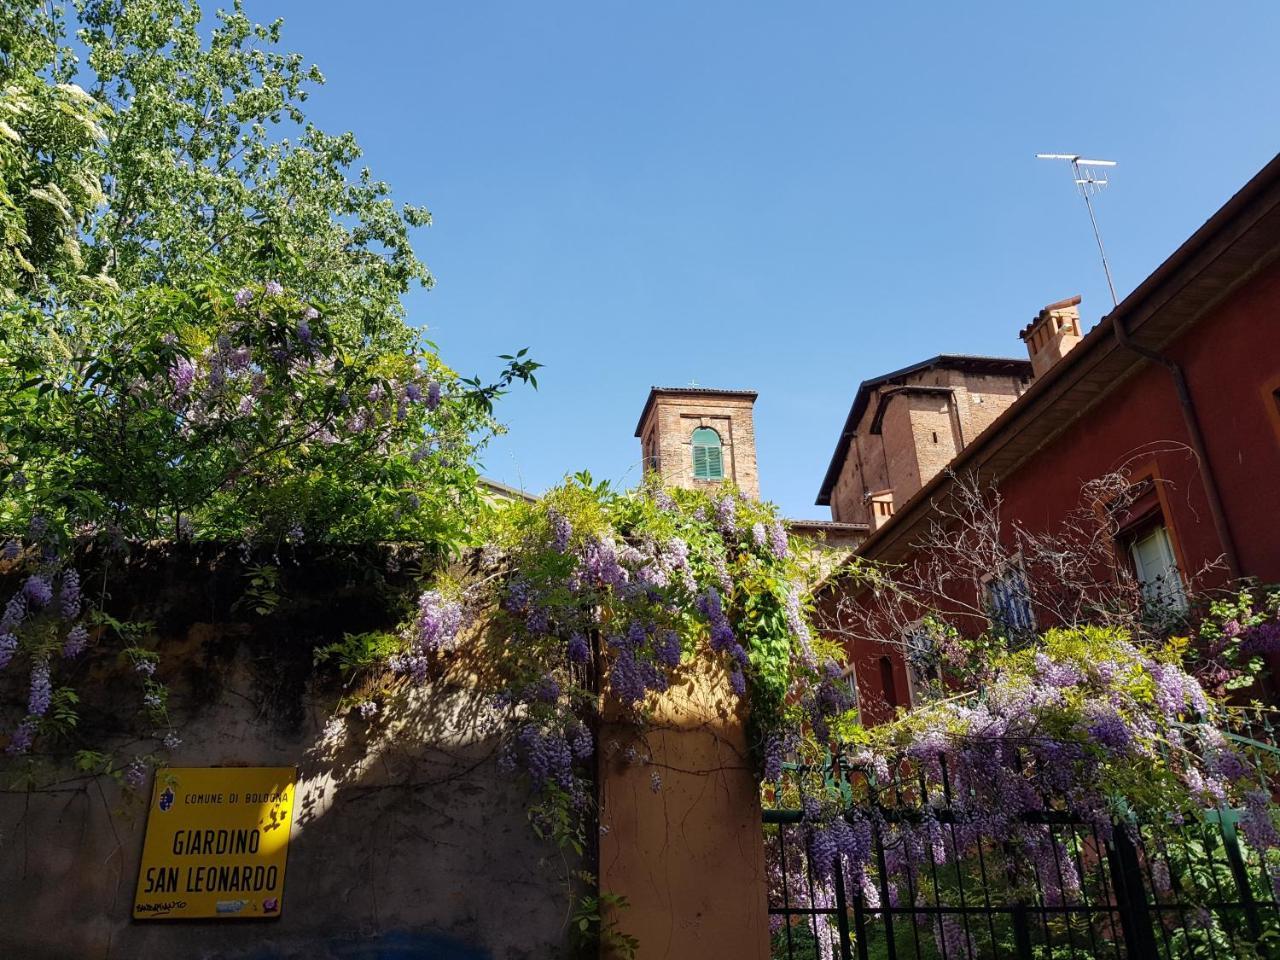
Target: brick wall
{"points": [[919, 431]]}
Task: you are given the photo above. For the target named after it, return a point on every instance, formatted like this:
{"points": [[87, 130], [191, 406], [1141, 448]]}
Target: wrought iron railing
{"points": [[1192, 889]]}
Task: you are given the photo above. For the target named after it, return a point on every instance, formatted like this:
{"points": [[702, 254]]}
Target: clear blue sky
{"points": [[785, 197]]}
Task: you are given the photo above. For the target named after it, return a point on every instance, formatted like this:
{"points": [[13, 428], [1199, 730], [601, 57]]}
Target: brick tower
{"points": [[696, 438]]}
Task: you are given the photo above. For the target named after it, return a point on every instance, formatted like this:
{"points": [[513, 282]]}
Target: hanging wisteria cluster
{"points": [[46, 620], [43, 617], [267, 340], [593, 586], [1083, 724]]}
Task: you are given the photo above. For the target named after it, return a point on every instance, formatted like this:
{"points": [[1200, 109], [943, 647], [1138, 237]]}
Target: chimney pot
{"points": [[1052, 334]]}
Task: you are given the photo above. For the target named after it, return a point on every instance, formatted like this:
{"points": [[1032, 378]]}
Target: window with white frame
{"points": [[1156, 568], [921, 658], [851, 678]]}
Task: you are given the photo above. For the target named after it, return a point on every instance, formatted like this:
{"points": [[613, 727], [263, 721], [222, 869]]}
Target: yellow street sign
{"points": [[216, 844]]}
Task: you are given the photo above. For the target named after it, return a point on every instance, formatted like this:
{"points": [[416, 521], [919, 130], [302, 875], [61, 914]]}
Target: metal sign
{"points": [[216, 844]]}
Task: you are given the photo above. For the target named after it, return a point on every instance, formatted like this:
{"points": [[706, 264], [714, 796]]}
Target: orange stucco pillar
{"points": [[681, 837]]}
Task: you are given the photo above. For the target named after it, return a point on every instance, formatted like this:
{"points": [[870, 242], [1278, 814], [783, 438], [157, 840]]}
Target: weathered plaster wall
{"points": [[686, 850], [407, 840]]}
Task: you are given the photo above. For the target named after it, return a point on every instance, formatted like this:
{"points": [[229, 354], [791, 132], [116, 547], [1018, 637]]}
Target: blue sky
{"points": [[784, 197]]}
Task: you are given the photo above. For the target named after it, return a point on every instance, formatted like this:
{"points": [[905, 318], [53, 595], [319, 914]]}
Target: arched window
{"points": [[708, 458]]}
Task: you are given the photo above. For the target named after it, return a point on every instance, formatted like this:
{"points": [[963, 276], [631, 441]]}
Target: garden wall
{"points": [[406, 841]]}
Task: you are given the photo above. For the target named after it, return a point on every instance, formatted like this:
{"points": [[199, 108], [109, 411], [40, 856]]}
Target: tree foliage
{"points": [[202, 332]]}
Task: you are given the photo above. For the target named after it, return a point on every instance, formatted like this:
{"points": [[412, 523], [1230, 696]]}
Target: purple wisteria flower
{"points": [[433, 395], [239, 359], [8, 647], [272, 288], [1257, 822], [1262, 638], [578, 650], [305, 336], [778, 539], [15, 611], [798, 627], [69, 594], [1108, 729], [561, 531], [1054, 673], [77, 640], [546, 755], [135, 775], [758, 536], [727, 514], [666, 648], [580, 741], [777, 747], [172, 741], [11, 550], [41, 693], [439, 620], [600, 565], [21, 739], [37, 590], [244, 297], [182, 375]]}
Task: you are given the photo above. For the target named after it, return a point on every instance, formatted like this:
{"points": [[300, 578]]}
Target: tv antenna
{"points": [[1090, 177]]}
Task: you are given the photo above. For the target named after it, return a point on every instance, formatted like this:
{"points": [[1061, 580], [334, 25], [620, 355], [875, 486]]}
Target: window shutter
{"points": [[699, 462]]}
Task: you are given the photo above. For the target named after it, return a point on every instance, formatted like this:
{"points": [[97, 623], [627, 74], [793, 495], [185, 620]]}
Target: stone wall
{"points": [[407, 840]]}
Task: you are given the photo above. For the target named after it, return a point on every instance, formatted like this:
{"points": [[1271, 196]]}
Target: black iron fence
{"points": [[1189, 889]]}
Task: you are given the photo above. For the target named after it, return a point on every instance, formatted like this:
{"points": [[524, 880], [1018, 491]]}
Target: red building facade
{"points": [[1179, 385]]}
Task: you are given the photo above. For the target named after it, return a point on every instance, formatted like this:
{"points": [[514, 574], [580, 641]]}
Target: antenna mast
{"points": [[1089, 180]]}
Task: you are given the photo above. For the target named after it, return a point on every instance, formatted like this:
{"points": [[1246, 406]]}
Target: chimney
{"points": [[1052, 334], [880, 506]]}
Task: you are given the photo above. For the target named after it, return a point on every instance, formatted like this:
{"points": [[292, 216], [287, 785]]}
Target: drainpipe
{"points": [[1192, 422]]}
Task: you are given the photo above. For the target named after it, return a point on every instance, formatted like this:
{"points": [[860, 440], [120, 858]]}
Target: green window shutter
{"points": [[715, 465], [699, 462], [708, 460]]}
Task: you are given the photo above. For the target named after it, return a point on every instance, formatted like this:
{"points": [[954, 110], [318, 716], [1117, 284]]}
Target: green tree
{"points": [[51, 164], [203, 328]]}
